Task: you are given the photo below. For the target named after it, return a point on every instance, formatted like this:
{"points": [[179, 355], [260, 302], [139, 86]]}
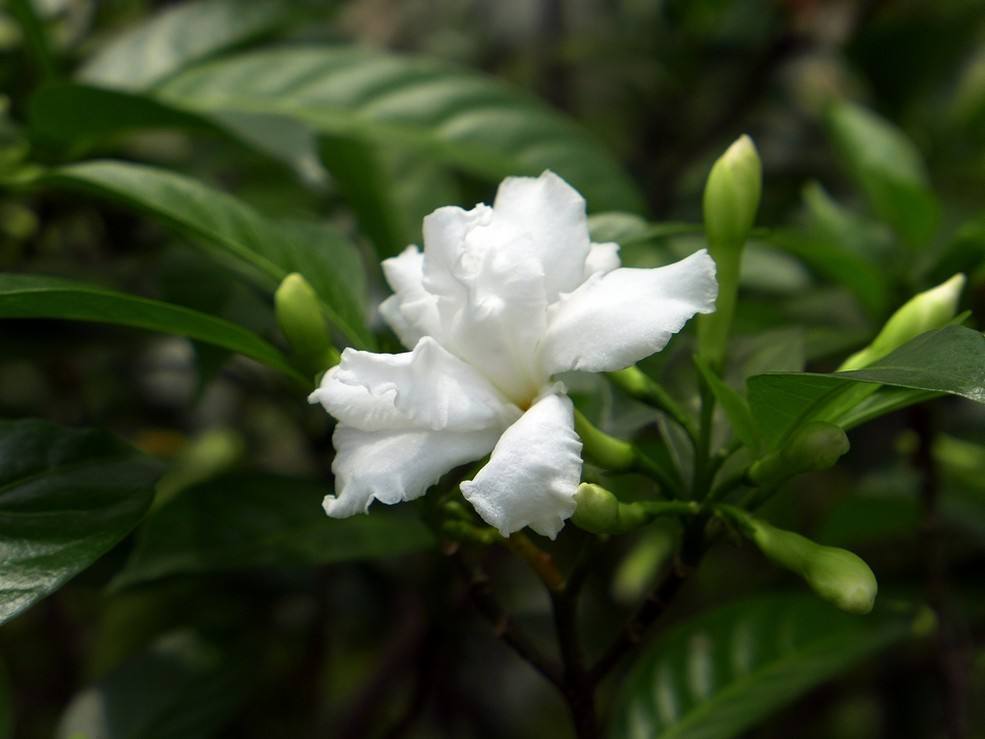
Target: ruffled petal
{"points": [[393, 466], [552, 214], [424, 389], [411, 311], [602, 258], [616, 319], [533, 473], [491, 304]]}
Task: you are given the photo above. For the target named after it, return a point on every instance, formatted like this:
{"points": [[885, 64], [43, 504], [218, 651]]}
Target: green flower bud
{"points": [[732, 196], [921, 313], [730, 203], [816, 445], [837, 575], [299, 315], [599, 511]]}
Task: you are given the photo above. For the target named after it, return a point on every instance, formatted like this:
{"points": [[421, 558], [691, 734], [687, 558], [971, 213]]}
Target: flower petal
{"points": [[552, 213], [492, 308], [411, 311], [427, 389], [616, 319], [534, 471], [602, 258], [392, 466]]}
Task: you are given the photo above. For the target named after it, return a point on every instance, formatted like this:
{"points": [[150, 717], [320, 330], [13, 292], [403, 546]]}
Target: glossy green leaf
{"points": [[453, 115], [717, 675], [181, 688], [38, 296], [888, 168], [950, 360], [178, 36], [261, 520], [67, 496], [268, 250]]}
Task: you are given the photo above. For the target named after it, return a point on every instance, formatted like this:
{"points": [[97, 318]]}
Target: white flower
{"points": [[500, 300]]}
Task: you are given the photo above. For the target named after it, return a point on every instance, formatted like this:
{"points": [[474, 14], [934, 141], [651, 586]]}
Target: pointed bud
{"points": [[837, 575], [299, 315], [732, 195], [816, 445], [730, 202], [921, 313]]}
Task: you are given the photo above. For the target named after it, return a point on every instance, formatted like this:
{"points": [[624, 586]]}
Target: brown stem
{"points": [[579, 685], [481, 593], [655, 603]]}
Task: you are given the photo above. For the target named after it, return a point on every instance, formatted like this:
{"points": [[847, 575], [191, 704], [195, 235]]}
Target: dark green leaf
{"points": [[37, 296], [269, 250], [949, 360], [456, 116], [67, 496], [719, 674], [178, 36], [735, 406], [77, 114], [833, 261], [181, 688], [888, 168], [259, 520], [390, 189]]}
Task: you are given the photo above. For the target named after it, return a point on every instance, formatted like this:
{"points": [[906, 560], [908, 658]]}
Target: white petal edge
{"points": [[552, 213], [618, 318], [394, 466], [602, 258], [533, 473], [425, 389], [411, 311]]}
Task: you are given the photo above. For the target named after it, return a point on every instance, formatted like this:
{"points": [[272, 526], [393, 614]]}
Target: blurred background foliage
{"points": [[214, 623]]}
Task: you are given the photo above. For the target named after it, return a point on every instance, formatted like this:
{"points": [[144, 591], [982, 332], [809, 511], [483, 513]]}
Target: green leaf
{"points": [[833, 261], [268, 250], [76, 116], [735, 406], [390, 189], [38, 296], [67, 496], [65, 112], [715, 676], [181, 688], [260, 520], [888, 168], [178, 36], [950, 360], [455, 116]]}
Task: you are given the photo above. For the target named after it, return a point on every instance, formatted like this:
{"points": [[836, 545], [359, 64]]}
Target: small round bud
{"points": [[299, 315], [732, 195], [597, 510], [921, 313]]}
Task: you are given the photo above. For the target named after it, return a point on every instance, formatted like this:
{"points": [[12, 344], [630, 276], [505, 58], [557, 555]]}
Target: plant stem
{"points": [[481, 593], [579, 684], [656, 602]]}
